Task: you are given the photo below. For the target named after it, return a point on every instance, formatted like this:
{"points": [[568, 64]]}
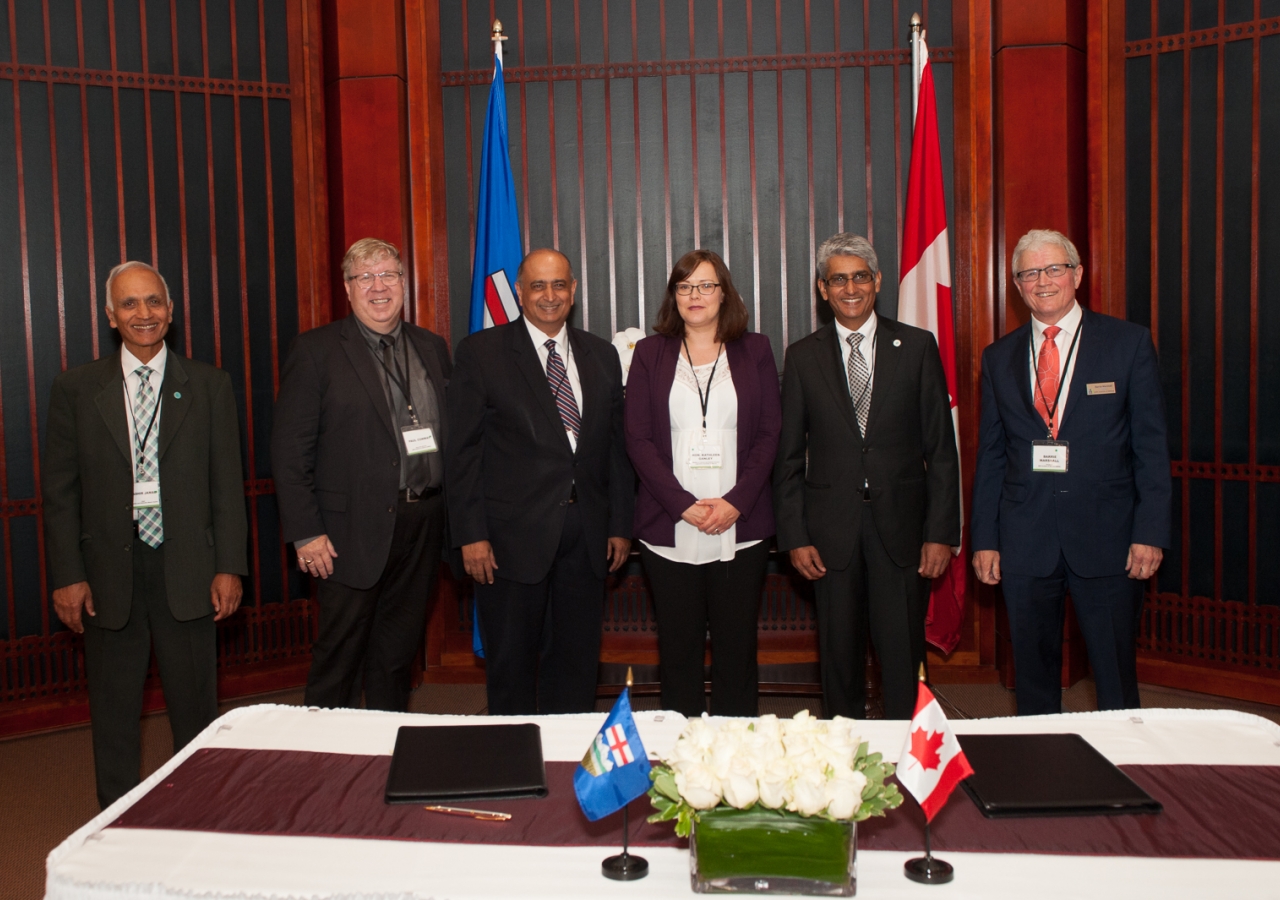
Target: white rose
{"points": [[740, 787], [625, 343], [775, 784], [836, 749], [698, 786], [808, 793], [844, 794], [724, 751]]}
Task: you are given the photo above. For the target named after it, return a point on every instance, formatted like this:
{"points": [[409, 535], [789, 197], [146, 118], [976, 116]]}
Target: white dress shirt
{"points": [[1070, 324], [563, 348], [129, 363], [685, 408], [868, 349]]}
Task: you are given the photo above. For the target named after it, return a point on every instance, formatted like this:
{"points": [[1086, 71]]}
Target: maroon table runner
{"points": [[1209, 811]]}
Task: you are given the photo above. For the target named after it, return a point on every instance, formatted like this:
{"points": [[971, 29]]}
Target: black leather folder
{"points": [[1022, 775], [455, 763]]}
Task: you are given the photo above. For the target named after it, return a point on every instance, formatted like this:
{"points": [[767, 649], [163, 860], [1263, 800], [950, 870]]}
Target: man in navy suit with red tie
{"points": [[1072, 489]]}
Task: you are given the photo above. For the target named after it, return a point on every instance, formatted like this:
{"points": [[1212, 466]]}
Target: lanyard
{"points": [[701, 399], [1062, 378], [401, 379], [141, 445]]}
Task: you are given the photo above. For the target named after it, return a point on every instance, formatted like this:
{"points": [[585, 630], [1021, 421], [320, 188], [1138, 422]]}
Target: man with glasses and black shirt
{"points": [[1072, 489], [867, 481], [356, 451]]}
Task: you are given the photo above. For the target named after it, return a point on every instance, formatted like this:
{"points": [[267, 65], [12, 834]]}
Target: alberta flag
{"points": [[493, 274], [615, 769], [931, 763]]}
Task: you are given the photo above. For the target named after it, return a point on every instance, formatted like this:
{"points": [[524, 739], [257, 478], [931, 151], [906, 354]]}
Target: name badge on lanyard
{"points": [[705, 456], [146, 494], [418, 439], [1049, 456]]}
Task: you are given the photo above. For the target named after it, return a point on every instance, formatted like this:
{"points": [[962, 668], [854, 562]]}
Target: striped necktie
{"points": [[558, 376], [146, 446]]}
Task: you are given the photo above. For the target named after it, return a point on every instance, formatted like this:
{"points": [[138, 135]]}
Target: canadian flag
{"points": [[931, 763], [924, 300]]}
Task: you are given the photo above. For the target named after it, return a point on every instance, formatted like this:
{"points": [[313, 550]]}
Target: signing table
{"points": [[285, 802]]}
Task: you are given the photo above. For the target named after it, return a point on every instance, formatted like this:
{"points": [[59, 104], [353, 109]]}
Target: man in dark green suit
{"points": [[144, 523]]}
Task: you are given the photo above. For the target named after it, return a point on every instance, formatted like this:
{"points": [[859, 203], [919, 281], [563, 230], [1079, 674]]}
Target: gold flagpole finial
{"points": [[628, 676], [916, 21], [922, 671], [496, 34]]}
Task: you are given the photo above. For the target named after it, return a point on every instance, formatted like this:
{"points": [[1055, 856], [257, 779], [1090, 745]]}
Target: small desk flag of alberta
{"points": [[615, 769], [931, 763]]}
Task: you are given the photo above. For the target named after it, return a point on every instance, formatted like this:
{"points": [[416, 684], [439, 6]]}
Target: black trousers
{"points": [[876, 595], [689, 600], [116, 664], [368, 638], [542, 641], [1108, 610]]}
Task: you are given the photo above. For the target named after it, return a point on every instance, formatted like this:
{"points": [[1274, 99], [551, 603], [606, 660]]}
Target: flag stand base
{"points": [[927, 870], [624, 866]]}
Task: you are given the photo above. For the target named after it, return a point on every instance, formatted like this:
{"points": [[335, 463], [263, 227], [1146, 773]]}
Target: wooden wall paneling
{"points": [[1104, 78], [310, 176]]}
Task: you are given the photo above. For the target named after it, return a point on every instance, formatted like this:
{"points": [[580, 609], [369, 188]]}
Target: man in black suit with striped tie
{"points": [[540, 492]]}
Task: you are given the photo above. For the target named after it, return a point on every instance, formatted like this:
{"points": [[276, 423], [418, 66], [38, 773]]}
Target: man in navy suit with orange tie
{"points": [[1072, 489]]}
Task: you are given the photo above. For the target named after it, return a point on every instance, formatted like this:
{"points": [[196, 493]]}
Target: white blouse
{"points": [[693, 546]]}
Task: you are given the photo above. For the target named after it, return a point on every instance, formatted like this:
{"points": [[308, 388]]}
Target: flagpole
{"points": [[925, 869], [497, 37], [916, 65], [624, 866]]}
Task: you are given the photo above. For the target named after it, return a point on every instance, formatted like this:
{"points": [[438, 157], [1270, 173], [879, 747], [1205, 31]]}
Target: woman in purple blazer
{"points": [[702, 418]]}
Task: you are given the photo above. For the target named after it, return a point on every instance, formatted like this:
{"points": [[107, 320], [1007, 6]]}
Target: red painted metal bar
{"points": [[1218, 304], [866, 126], [608, 165], [115, 117], [213, 215], [808, 133], [272, 297], [782, 178], [524, 130], [724, 162], [4, 460], [666, 135], [466, 118], [1185, 307], [897, 143], [1154, 188], [182, 183], [88, 190], [56, 203], [839, 144], [146, 116], [635, 139], [1255, 172], [551, 142], [584, 262], [693, 135], [250, 461], [755, 204], [1242, 31]]}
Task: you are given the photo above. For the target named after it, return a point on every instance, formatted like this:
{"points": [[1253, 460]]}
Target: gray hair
{"points": [[367, 250], [1038, 238], [846, 244], [134, 264]]}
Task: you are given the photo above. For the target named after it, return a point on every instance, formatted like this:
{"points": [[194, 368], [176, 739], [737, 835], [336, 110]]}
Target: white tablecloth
{"points": [[96, 864]]}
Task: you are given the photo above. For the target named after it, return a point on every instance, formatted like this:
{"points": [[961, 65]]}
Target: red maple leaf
{"points": [[924, 747]]}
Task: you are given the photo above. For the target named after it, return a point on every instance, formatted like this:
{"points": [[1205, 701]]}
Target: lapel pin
{"points": [[897, 343], [177, 395]]}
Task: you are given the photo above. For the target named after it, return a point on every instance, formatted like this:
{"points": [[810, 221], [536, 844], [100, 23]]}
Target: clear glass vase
{"points": [[764, 851]]}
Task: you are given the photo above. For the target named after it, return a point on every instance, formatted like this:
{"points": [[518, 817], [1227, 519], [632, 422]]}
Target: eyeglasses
{"points": [[132, 303], [839, 281], [1057, 270], [389, 279], [684, 289]]}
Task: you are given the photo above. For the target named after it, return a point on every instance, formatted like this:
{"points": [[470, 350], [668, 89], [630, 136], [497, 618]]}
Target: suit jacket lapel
{"points": [[530, 366], [1021, 374], [831, 362], [887, 358], [353, 344], [175, 400], [110, 403], [1087, 354]]}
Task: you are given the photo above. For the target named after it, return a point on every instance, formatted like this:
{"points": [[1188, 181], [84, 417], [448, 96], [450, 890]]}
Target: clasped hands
{"points": [[714, 515]]}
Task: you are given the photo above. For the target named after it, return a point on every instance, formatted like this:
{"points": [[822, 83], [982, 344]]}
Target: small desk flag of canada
{"points": [[615, 769], [931, 763]]}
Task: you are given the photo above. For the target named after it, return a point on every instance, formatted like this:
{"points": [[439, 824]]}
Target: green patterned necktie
{"points": [[147, 456]]}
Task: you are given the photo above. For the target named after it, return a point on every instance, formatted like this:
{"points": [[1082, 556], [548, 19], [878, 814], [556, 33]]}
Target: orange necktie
{"points": [[1047, 378]]}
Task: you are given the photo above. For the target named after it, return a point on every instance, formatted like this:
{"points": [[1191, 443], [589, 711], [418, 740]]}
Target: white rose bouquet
{"points": [[802, 765]]}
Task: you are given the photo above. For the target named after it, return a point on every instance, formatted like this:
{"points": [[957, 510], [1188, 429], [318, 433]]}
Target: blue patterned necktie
{"points": [[558, 376], [147, 457]]}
